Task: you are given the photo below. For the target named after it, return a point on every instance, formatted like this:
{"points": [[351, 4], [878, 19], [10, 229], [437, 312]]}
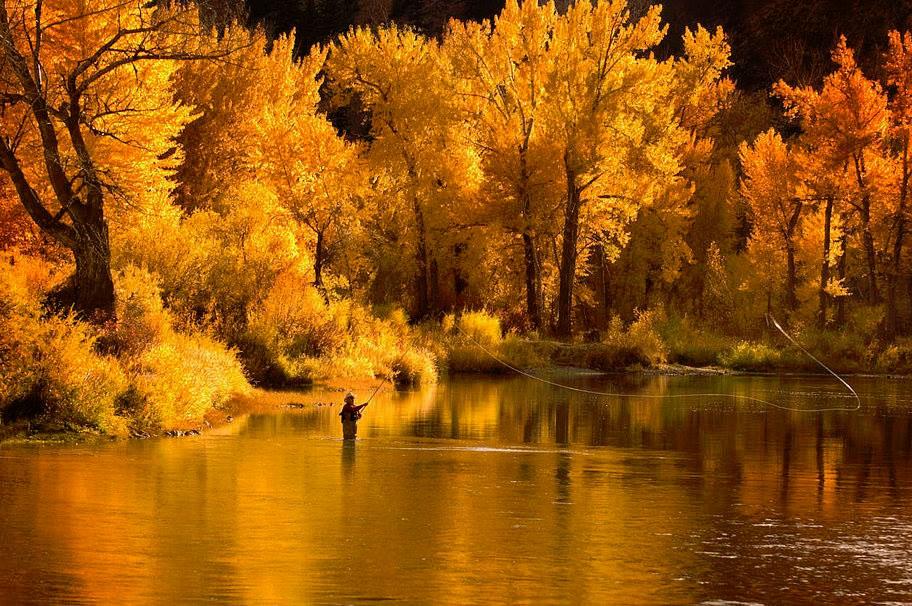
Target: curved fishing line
{"points": [[851, 389], [678, 396]]}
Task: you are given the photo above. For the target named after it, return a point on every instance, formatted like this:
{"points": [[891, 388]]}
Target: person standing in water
{"points": [[350, 415]]}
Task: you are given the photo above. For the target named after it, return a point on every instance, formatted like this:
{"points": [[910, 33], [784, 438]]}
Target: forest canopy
{"points": [[178, 189]]}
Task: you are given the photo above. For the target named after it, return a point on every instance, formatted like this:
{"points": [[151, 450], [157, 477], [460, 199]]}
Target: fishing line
{"points": [[609, 394]]}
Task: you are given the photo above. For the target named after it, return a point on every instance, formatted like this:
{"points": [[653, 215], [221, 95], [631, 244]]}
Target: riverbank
{"points": [[653, 342], [330, 394], [473, 343]]}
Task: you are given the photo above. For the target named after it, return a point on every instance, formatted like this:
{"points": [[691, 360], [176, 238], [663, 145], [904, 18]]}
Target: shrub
{"points": [[415, 367], [49, 367], [464, 354], [178, 380], [611, 356], [294, 319], [845, 351], [25, 280], [480, 326], [526, 353], [643, 336], [141, 317], [467, 357], [750, 356], [175, 378], [689, 345], [467, 335], [638, 344], [292, 322], [50, 370], [77, 385], [897, 357], [295, 336]]}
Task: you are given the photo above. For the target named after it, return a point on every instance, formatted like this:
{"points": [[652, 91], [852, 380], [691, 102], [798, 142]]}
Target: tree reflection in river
{"points": [[481, 491]]}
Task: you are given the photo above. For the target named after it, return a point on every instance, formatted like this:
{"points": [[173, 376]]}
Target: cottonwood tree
{"points": [[318, 176], [899, 76], [400, 77], [230, 99], [770, 185], [824, 186], [86, 111], [501, 70], [599, 116], [674, 232], [847, 119], [615, 114]]}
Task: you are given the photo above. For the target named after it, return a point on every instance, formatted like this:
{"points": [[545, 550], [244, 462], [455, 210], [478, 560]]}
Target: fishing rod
{"points": [[524, 373]]}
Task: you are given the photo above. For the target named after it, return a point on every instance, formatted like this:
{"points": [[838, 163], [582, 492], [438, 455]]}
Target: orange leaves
{"points": [[770, 183], [847, 114]]}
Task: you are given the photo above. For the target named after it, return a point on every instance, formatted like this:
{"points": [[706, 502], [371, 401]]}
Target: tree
{"points": [[605, 115], [318, 175], [624, 122], [229, 99], [899, 76], [87, 113], [502, 70], [847, 118], [400, 77], [770, 186]]}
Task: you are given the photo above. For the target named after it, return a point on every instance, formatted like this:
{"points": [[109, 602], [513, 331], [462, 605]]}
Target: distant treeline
{"points": [[771, 39]]}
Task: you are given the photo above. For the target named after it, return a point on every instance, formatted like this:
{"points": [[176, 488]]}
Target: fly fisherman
{"points": [[350, 415]]}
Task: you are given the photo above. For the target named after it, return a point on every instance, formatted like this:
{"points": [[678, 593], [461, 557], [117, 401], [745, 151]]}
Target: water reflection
{"points": [[482, 491]]}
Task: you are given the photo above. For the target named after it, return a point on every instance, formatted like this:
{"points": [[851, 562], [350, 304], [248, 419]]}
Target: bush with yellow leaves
{"points": [[49, 366], [175, 378], [54, 368], [294, 336]]}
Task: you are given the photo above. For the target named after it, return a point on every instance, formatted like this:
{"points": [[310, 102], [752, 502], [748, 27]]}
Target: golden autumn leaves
{"points": [[847, 175], [498, 159], [550, 127]]}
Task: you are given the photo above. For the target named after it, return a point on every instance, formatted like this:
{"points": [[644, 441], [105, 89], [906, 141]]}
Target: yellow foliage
{"points": [[51, 365], [49, 368], [750, 356], [174, 378], [481, 326], [640, 340], [176, 381]]}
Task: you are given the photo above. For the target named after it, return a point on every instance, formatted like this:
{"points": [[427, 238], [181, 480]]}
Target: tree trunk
{"points": [[318, 261], [568, 256], [533, 281], [791, 299], [90, 290], [604, 290], [909, 293], [891, 319], [422, 304], [870, 254], [792, 278], [840, 275], [534, 302], [825, 265], [867, 238], [92, 282]]}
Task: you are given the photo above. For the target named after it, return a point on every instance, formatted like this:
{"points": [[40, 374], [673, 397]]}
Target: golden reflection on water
{"points": [[483, 491]]}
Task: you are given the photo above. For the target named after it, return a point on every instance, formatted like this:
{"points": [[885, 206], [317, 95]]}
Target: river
{"points": [[485, 491]]}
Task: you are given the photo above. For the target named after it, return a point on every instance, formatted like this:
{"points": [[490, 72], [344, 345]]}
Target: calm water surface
{"points": [[484, 491]]}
